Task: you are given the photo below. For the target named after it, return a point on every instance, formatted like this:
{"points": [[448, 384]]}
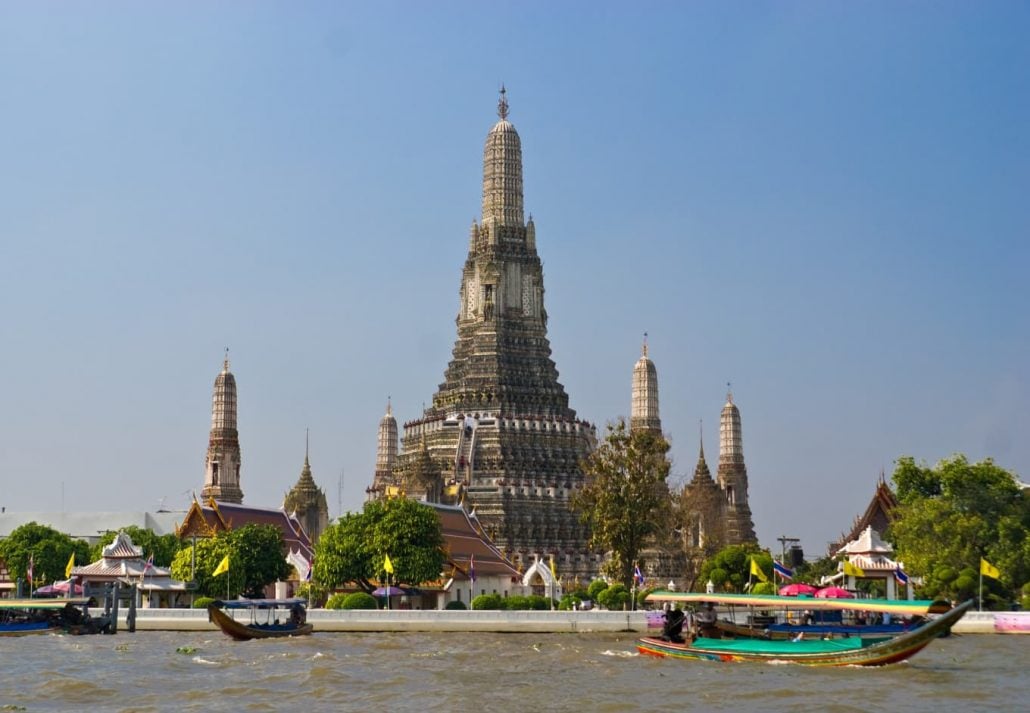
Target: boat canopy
{"points": [[43, 603], [901, 607], [258, 603]]}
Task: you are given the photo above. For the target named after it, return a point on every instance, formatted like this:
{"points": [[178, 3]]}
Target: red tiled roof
{"points": [[464, 540], [294, 537]]}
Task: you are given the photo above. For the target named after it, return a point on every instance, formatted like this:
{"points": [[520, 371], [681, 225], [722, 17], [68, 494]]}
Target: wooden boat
{"points": [[781, 617], [292, 612], [807, 616], [855, 651], [22, 617]]}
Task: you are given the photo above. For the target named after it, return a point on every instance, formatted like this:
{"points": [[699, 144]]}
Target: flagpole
{"points": [[980, 598]]}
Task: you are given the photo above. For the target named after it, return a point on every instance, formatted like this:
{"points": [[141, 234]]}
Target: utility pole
{"points": [[339, 495], [783, 543]]}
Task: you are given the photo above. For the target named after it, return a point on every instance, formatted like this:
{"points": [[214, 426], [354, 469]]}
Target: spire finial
{"points": [[307, 441], [645, 343], [225, 364], [389, 406], [729, 393], [701, 436], [502, 104]]}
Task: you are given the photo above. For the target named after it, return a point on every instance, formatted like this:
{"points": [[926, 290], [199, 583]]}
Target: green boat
{"points": [[854, 651]]}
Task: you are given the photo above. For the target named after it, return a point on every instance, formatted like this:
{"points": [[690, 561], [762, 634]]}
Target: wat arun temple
{"points": [[499, 437]]}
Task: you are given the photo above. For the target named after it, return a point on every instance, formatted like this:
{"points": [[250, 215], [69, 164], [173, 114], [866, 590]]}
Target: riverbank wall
{"points": [[544, 622], [428, 620]]}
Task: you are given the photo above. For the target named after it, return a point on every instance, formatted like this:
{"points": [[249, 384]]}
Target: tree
{"points": [[730, 568], [952, 515], [354, 549], [625, 499], [255, 560], [48, 550], [162, 547]]}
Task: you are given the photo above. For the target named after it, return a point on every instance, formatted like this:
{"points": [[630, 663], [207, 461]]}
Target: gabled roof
{"points": [[207, 520], [121, 559], [465, 539], [868, 543], [877, 515]]}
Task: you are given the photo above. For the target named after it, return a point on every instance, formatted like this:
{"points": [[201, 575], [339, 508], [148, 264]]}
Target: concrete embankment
{"points": [[414, 620], [554, 622]]}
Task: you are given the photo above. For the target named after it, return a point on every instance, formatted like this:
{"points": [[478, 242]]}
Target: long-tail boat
{"points": [[853, 651], [281, 617], [784, 617], [21, 617]]}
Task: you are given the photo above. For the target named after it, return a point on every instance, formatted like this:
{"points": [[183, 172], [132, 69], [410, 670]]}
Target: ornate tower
{"points": [[386, 453], [733, 476], [307, 501], [222, 465], [644, 409], [500, 436], [706, 504]]}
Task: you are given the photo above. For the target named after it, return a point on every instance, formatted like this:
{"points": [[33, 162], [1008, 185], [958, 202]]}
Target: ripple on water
{"points": [[568, 672]]}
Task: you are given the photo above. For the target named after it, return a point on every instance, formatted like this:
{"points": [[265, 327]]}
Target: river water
{"points": [[177, 671]]}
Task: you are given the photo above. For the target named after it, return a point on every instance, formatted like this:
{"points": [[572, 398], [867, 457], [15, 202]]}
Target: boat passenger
{"points": [[706, 621]]}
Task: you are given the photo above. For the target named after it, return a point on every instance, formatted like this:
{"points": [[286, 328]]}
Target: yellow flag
{"points": [[223, 566], [71, 563], [553, 573], [853, 570], [757, 571], [388, 565], [989, 570]]}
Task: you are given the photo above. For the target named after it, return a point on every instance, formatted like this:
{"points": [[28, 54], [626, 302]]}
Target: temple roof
{"points": [[464, 538], [877, 515], [207, 520], [868, 543]]}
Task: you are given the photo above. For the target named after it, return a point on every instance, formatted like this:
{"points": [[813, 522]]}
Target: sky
{"points": [[823, 204]]}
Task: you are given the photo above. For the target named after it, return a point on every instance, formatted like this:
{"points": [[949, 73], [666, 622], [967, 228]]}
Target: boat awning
{"points": [[258, 603], [901, 607], [41, 603]]}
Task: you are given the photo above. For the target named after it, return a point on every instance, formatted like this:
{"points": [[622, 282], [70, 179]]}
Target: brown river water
{"points": [[178, 671]]}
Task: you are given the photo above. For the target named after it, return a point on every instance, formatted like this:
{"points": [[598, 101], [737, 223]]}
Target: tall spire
{"points": [[502, 173], [732, 475], [386, 451], [306, 500], [644, 406], [502, 104], [222, 464]]}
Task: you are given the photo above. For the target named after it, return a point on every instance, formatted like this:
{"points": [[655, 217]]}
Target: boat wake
{"points": [[621, 654]]}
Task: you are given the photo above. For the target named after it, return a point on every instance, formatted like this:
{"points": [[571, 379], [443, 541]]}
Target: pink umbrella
{"points": [[792, 590], [834, 593], [53, 590]]}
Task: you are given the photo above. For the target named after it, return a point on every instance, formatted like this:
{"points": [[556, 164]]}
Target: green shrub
{"points": [[202, 602], [335, 601], [569, 602], [595, 588], [517, 602], [539, 603], [455, 605], [488, 601], [763, 588], [359, 600], [614, 597]]}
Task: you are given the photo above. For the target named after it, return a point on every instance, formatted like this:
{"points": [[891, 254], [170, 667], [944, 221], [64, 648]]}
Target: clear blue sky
{"points": [[825, 203]]}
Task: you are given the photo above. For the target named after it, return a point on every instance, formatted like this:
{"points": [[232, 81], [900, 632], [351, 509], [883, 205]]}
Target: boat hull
{"points": [[245, 632], [837, 652], [28, 628]]}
